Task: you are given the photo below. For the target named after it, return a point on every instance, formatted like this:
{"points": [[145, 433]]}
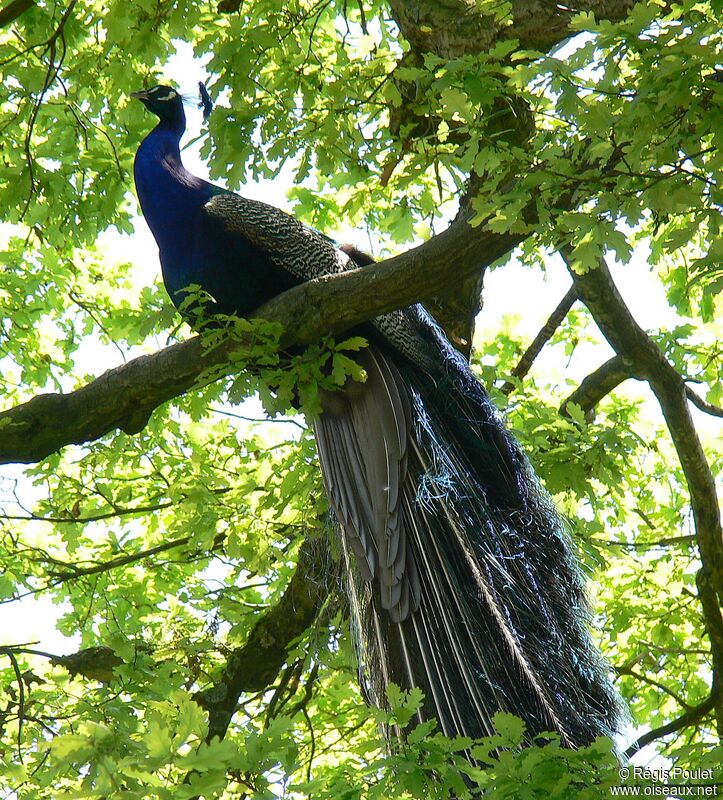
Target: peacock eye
{"points": [[162, 93]]}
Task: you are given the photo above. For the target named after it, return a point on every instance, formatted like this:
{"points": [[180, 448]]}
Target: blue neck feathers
{"points": [[168, 193]]}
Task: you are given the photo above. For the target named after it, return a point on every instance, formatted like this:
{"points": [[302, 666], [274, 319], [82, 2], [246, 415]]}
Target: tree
{"points": [[190, 549]]}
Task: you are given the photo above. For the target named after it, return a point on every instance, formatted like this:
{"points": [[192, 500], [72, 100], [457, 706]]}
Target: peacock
{"points": [[461, 577]]}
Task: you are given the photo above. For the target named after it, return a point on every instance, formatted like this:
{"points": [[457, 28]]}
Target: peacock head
{"points": [[165, 102]]}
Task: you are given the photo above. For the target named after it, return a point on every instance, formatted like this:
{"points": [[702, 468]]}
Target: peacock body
{"points": [[461, 577]]}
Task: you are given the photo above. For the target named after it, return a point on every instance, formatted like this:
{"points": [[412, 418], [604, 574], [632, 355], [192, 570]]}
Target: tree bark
{"points": [[451, 28], [255, 666], [645, 360], [13, 10]]}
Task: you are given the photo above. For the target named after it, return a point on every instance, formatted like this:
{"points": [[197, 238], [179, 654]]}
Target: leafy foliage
{"points": [[166, 550]]}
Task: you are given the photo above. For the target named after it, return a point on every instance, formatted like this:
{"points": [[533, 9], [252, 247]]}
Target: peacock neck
{"points": [[169, 195]]}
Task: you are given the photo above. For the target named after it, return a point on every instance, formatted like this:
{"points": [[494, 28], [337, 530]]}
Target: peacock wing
{"points": [[296, 247], [362, 440]]}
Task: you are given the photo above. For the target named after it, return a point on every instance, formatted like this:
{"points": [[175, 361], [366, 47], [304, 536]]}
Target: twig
{"points": [[626, 670], [122, 561], [118, 511], [312, 751], [72, 572], [554, 321], [362, 18], [51, 74], [21, 699], [686, 540], [702, 404]]}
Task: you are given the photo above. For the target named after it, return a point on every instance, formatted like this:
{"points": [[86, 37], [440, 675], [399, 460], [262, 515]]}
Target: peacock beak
{"points": [[142, 95]]}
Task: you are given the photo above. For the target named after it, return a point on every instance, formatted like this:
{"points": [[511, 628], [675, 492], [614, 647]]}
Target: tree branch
{"points": [[645, 360], [691, 717], [254, 666], [554, 321], [702, 404], [125, 397], [13, 10], [597, 385], [455, 27], [95, 663]]}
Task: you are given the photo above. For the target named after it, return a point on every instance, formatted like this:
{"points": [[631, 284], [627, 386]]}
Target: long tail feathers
{"points": [[461, 577]]}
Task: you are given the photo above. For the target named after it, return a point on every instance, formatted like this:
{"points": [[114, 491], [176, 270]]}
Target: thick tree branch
{"points": [[645, 360], [456, 27], [554, 321], [597, 385], [691, 717], [13, 10], [125, 397], [452, 29], [254, 666], [95, 663]]}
